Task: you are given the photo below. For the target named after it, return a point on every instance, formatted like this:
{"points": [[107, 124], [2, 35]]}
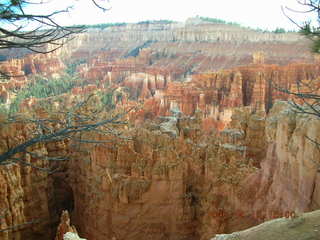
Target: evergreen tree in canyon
{"points": [[310, 28], [53, 119], [305, 94]]}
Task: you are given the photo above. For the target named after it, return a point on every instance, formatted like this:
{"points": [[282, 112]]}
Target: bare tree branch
{"points": [[310, 29], [17, 226], [39, 33], [65, 126]]}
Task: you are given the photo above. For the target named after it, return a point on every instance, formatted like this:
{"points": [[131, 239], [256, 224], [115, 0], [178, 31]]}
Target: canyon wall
{"points": [[33, 191], [204, 151], [179, 50], [285, 183], [121, 52], [152, 184], [26, 192], [193, 32], [194, 186], [217, 94]]}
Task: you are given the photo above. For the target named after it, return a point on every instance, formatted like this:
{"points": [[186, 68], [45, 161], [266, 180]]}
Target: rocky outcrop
{"points": [[217, 94], [155, 185], [150, 184], [16, 72], [25, 193], [65, 231], [31, 196], [292, 160], [220, 165], [48, 65], [189, 32], [303, 227], [177, 51], [133, 190], [20, 65], [280, 186]]}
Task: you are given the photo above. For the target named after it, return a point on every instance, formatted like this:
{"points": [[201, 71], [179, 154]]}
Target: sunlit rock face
{"points": [[216, 94], [216, 184], [177, 51], [66, 231], [48, 65], [25, 191], [304, 226], [190, 32], [293, 159], [134, 191], [144, 85], [188, 185], [176, 65], [31, 198], [285, 183], [149, 64]]}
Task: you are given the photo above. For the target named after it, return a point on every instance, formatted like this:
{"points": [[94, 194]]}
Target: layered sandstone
{"points": [[31, 196], [216, 185], [190, 32], [127, 183], [133, 190], [25, 194], [179, 50], [47, 65], [285, 183], [216, 94], [157, 185], [171, 175]]}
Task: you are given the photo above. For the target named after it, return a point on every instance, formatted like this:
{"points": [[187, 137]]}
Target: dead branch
{"points": [[17, 226]]}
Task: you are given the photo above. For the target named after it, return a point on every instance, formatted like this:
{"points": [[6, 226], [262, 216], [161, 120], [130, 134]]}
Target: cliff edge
{"points": [[304, 227]]}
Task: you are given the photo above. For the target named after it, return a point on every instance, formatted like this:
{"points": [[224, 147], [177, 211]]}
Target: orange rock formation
{"points": [[231, 159], [64, 226]]}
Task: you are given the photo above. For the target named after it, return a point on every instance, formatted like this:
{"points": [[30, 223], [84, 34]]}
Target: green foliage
{"points": [[259, 30], [72, 67], [316, 46], [107, 100], [306, 30], [218, 21], [100, 25], [110, 97], [2, 100], [3, 109], [3, 58], [135, 52], [42, 88], [164, 21], [107, 25], [279, 30], [313, 33]]}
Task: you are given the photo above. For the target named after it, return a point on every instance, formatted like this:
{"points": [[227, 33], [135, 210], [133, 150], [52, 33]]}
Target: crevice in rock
{"points": [[63, 198]]}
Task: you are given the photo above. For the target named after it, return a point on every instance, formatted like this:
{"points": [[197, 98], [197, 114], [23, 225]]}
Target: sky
{"points": [[264, 14]]}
